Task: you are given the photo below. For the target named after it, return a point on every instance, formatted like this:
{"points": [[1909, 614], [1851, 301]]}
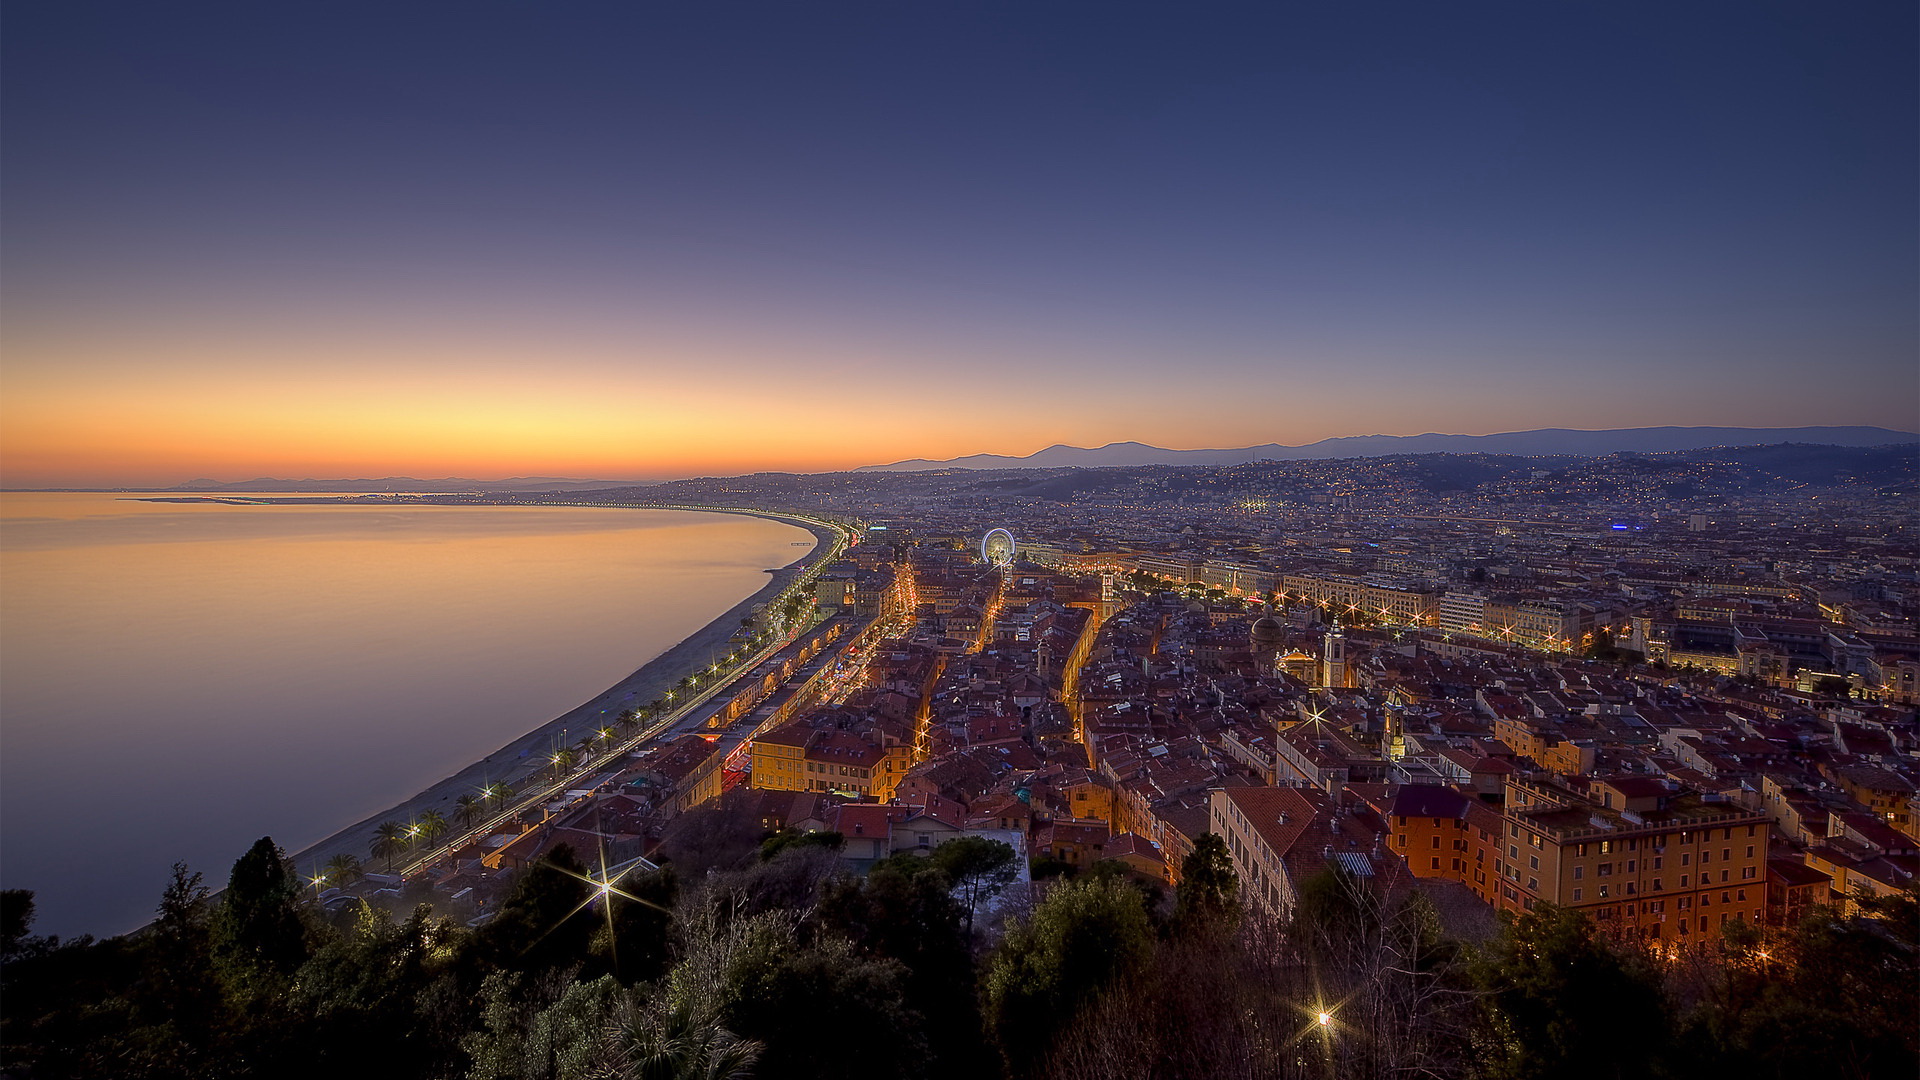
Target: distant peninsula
{"points": [[452, 485]]}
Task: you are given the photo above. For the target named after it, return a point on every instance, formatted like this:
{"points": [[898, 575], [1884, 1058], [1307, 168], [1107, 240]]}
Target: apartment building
{"points": [[1636, 853]]}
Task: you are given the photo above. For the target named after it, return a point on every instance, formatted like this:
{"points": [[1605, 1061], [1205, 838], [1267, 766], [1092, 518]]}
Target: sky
{"points": [[646, 240]]}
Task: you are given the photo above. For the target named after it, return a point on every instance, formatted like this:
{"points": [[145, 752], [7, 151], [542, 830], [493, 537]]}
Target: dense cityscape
{"points": [[1463, 760], [936, 541]]}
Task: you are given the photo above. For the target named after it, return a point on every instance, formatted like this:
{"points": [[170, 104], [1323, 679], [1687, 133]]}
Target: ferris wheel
{"points": [[997, 548]]}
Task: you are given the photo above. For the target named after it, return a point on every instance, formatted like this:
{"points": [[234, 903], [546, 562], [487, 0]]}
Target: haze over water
{"points": [[177, 680]]}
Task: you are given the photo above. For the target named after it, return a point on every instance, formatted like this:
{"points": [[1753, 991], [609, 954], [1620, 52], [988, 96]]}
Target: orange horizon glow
{"points": [[76, 411]]}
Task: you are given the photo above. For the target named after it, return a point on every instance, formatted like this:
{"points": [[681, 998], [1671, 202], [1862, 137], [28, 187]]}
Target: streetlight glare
{"points": [[1325, 1018]]}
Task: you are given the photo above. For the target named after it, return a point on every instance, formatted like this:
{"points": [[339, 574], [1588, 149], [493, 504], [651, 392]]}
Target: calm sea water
{"points": [[177, 680]]}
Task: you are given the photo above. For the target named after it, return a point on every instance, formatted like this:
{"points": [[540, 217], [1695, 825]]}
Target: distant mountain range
{"points": [[406, 484], [1540, 442]]}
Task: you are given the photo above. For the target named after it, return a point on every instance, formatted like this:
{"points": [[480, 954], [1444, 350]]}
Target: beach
{"points": [[527, 753]]}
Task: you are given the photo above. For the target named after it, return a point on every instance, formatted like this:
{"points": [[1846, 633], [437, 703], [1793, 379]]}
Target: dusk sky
{"points": [[619, 240]]}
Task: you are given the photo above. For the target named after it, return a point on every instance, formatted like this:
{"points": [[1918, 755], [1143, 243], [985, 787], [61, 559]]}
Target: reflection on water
{"points": [[178, 679]]}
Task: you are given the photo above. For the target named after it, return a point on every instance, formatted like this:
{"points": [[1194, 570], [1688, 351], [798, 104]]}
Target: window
{"points": [[1726, 834], [1579, 872], [1750, 829], [1606, 869], [1726, 854], [1576, 896], [1723, 875], [1603, 892], [1534, 839], [1656, 884], [1630, 864], [1403, 840], [1580, 849], [1749, 851], [1632, 888], [1606, 847], [1747, 873], [1657, 860], [1533, 862], [1436, 862], [1683, 881], [1436, 843], [1706, 857], [1685, 858], [1512, 852]]}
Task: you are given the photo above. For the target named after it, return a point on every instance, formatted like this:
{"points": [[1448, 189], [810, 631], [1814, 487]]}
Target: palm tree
{"points": [[389, 841], [432, 826], [497, 793], [467, 808], [662, 1041], [343, 869]]}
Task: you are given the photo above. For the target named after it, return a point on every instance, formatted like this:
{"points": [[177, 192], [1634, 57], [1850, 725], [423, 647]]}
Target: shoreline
{"points": [[643, 685]]}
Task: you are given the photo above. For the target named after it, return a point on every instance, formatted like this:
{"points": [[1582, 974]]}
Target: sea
{"points": [[178, 679]]}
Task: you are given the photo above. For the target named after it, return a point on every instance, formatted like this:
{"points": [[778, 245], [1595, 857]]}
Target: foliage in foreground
{"points": [[789, 966]]}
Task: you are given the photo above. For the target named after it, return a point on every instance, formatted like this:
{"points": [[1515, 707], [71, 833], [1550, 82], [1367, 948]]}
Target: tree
{"points": [[1559, 995], [1833, 994], [666, 1039], [1209, 890], [904, 910], [794, 838], [756, 969], [979, 869], [342, 869], [388, 842], [544, 922], [1084, 936], [634, 937], [179, 992], [432, 826], [16, 917], [258, 931]]}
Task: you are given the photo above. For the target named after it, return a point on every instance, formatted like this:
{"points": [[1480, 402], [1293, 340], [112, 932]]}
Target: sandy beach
{"points": [[527, 753]]}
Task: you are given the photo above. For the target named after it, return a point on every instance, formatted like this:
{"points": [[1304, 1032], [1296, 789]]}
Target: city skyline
{"points": [[645, 244]]}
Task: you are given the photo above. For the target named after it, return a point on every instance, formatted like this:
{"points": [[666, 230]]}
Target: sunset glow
{"points": [[605, 256]]}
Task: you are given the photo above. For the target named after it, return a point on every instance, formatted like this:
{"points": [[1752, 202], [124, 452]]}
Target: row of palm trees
{"points": [[392, 838]]}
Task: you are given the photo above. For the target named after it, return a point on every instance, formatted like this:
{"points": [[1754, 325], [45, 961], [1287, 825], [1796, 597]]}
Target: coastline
{"points": [[509, 762]]}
